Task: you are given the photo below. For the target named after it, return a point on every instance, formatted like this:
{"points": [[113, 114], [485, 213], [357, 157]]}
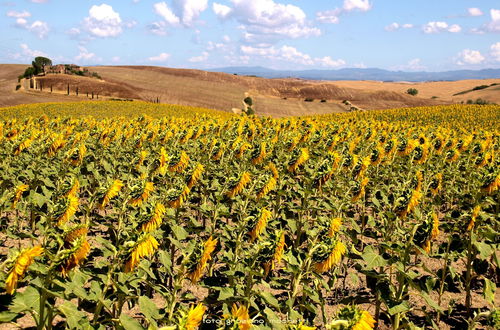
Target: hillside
{"points": [[215, 90]]}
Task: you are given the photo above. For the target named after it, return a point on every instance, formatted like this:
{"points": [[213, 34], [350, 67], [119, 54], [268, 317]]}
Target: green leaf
{"points": [[225, 293], [270, 299], [489, 291], [273, 319], [179, 232], [149, 309], [373, 259], [130, 323], [26, 301], [7, 316], [429, 301], [401, 308], [485, 250], [75, 319]]}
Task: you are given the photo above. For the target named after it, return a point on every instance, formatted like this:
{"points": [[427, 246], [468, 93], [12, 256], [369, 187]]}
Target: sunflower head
{"points": [[352, 318]]}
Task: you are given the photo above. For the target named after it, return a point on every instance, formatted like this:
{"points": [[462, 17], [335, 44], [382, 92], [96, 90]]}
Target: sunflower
{"points": [[376, 156], [112, 192], [162, 162], [335, 226], [475, 213], [179, 163], [79, 249], [176, 198], [352, 318], [273, 170], [193, 318], [145, 246], [239, 313], [142, 196], [244, 147], [435, 226], [196, 175], [21, 264], [492, 183], [299, 157], [359, 189], [328, 254], [75, 188], [436, 184], [70, 208], [238, 186], [206, 255], [264, 217], [259, 154], [270, 185], [276, 253], [155, 220], [452, 155], [142, 156], [23, 146], [58, 143], [20, 189]]}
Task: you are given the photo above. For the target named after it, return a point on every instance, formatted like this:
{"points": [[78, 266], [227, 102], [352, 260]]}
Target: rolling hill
{"points": [[216, 90]]}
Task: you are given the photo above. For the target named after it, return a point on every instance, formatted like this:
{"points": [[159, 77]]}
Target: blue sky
{"points": [[410, 35]]}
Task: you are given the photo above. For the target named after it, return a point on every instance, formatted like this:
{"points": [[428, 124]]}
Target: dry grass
{"points": [[274, 97], [443, 90]]}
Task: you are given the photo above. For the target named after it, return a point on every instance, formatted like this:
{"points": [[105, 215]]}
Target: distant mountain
{"points": [[363, 74]]}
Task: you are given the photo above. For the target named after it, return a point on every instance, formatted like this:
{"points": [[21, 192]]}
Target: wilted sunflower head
{"points": [[323, 249]]}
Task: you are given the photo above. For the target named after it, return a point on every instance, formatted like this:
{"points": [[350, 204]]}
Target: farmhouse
{"points": [[66, 68]]}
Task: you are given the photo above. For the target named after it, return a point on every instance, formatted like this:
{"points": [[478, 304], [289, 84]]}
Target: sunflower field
{"points": [[131, 215]]}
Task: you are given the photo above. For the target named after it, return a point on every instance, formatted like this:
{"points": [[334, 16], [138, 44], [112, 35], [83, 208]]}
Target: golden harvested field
{"points": [[274, 97], [444, 90], [132, 215]]}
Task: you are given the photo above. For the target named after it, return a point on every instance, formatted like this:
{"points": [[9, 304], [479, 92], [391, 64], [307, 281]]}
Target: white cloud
{"points": [[414, 64], [268, 21], [116, 59], [392, 27], [438, 27], [158, 28], [396, 26], [84, 55], [103, 21], [495, 51], [74, 32], [468, 56], [41, 29], [202, 58], [40, 1], [17, 14], [164, 11], [226, 38], [362, 5], [290, 54], [455, 28], [184, 12], [220, 10], [329, 16], [332, 16], [26, 51], [474, 12], [494, 25], [329, 62], [160, 58]]}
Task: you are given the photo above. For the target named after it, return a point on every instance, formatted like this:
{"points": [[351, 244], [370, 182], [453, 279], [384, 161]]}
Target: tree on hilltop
{"points": [[40, 63]]}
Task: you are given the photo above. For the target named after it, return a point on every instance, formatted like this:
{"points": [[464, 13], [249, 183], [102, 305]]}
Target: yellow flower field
{"points": [[134, 215]]}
